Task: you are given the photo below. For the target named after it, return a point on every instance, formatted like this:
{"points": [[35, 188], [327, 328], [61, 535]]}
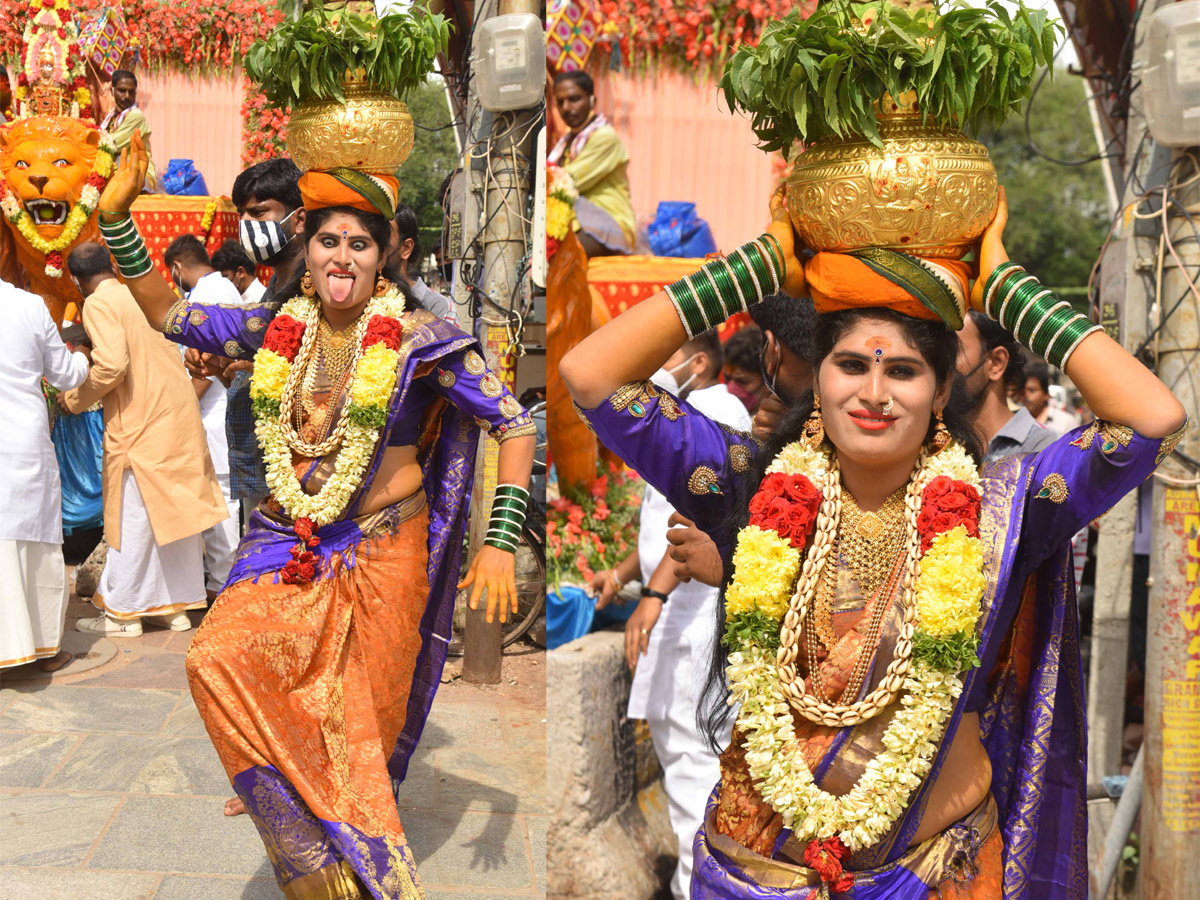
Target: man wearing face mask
{"points": [[267, 197], [663, 639], [990, 365]]}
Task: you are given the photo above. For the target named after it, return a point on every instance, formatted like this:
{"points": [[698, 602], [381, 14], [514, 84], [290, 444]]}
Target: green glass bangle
{"points": [[1030, 303], [710, 303], [735, 270], [512, 490], [511, 498], [687, 306], [517, 514], [763, 266], [1040, 334], [993, 280], [507, 530], [1064, 325], [501, 545], [724, 287], [1061, 359], [742, 264], [509, 503], [776, 251], [1010, 289]]}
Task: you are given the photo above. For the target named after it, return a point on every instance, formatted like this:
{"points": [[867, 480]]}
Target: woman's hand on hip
{"points": [[990, 252], [781, 229], [494, 570]]}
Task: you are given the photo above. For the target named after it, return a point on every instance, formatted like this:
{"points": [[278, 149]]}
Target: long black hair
{"points": [[939, 348], [375, 225]]}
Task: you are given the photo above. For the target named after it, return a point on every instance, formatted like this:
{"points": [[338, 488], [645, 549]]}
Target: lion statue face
{"points": [[46, 162]]}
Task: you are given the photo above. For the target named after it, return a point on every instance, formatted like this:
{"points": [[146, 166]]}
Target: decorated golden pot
{"points": [[371, 132], [930, 191]]}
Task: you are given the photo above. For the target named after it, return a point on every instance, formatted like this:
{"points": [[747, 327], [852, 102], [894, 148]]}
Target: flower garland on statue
{"points": [[69, 65], [947, 593], [560, 207], [89, 199], [288, 346]]}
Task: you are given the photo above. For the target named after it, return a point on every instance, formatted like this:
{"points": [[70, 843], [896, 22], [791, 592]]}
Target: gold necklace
{"points": [[336, 347], [871, 541]]}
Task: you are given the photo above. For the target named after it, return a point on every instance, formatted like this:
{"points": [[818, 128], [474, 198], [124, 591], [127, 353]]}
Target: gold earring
{"points": [[941, 435], [307, 288], [814, 428], [382, 285]]}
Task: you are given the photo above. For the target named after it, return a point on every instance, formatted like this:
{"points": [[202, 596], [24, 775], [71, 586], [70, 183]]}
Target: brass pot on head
{"points": [[929, 191], [371, 131]]}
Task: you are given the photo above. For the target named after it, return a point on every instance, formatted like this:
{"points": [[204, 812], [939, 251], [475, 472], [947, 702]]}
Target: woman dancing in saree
{"points": [[900, 629], [316, 667]]}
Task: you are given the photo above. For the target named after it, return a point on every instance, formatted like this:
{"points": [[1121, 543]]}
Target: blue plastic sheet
{"points": [[79, 447], [184, 179], [678, 231], [568, 615]]}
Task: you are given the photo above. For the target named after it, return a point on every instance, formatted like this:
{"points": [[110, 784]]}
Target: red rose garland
{"points": [[946, 503], [825, 858], [383, 330], [786, 504], [304, 564], [283, 336]]}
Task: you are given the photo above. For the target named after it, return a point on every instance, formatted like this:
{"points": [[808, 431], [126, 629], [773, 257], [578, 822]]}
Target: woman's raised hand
{"points": [[990, 251], [128, 178], [495, 570], [781, 229]]}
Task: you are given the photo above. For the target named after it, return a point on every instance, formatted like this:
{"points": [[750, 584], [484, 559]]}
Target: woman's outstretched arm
{"points": [[636, 343]]}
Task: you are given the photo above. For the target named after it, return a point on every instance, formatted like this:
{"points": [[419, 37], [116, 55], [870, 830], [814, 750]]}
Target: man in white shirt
{"points": [[233, 263], [33, 584], [664, 640], [196, 277]]}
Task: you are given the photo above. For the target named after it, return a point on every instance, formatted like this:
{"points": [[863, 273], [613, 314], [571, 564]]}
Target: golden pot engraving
{"points": [[371, 131], [929, 191]]}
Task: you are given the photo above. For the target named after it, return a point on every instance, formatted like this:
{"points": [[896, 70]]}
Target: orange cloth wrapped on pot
{"points": [[922, 288]]}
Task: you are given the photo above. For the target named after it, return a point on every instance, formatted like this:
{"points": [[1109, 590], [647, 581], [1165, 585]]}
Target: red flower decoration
{"points": [[306, 529], [301, 568], [283, 336], [825, 858], [551, 246], [54, 258], [383, 330], [786, 504], [945, 504]]}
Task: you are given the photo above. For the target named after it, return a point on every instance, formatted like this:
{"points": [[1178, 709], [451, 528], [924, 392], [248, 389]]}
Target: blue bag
{"points": [[184, 179], [678, 231]]}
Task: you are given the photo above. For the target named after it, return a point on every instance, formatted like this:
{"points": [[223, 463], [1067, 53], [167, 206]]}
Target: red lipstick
{"points": [[870, 420]]}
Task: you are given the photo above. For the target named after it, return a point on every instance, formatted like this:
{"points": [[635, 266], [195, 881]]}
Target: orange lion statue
{"points": [[53, 169]]}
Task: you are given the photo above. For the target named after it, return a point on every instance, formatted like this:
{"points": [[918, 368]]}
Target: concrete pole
{"points": [[1170, 830], [505, 240]]}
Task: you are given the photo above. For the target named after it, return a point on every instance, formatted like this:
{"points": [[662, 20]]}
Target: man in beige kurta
{"points": [[160, 490]]}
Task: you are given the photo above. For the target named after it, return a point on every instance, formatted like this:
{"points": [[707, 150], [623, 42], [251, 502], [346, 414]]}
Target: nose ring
{"points": [[887, 407]]}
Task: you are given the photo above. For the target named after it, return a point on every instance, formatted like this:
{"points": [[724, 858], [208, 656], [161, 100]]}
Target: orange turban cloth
{"points": [[921, 288], [349, 187]]}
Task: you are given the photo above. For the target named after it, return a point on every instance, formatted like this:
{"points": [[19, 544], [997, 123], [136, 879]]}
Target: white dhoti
{"points": [[220, 541], [33, 601], [143, 578]]}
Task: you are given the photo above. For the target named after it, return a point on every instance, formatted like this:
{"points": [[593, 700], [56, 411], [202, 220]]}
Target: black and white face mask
{"points": [[264, 241]]}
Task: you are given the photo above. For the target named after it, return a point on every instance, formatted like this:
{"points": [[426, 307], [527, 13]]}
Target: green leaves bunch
{"points": [[811, 78], [305, 60]]}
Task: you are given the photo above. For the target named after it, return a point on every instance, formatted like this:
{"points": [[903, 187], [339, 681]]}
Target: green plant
{"points": [[306, 60], [810, 78]]}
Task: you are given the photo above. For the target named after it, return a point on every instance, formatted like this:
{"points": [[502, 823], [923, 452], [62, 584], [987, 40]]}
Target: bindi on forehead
{"points": [[877, 346]]}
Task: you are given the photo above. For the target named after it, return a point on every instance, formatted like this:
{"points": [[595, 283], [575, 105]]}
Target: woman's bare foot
{"points": [[56, 662], [235, 807]]}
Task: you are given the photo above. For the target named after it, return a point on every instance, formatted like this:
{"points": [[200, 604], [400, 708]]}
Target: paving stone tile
{"points": [[70, 708], [185, 721], [25, 883], [536, 827], [462, 725], [45, 829], [150, 764], [498, 781], [479, 850], [27, 759], [178, 887], [163, 671], [180, 835]]}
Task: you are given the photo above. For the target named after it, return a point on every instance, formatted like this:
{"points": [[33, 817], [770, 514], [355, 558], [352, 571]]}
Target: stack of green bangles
{"points": [[723, 287], [126, 246], [1049, 327], [508, 517]]}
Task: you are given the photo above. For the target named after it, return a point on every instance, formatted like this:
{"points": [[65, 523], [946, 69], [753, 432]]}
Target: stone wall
{"points": [[609, 835]]}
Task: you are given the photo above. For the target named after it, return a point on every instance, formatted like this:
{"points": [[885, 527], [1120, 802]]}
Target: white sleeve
{"points": [[60, 366]]}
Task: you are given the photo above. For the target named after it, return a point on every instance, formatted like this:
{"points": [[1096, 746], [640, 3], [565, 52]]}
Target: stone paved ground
{"points": [[110, 790]]}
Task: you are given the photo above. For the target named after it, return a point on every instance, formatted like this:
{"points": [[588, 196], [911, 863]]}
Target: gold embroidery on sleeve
{"points": [[197, 317], [579, 411], [490, 386], [739, 458], [1054, 488], [446, 378], [510, 408], [473, 362], [703, 480], [1170, 442], [232, 348]]}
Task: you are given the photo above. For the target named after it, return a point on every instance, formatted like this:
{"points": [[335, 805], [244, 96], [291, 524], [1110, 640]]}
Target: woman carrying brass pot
{"points": [[900, 648], [316, 667]]}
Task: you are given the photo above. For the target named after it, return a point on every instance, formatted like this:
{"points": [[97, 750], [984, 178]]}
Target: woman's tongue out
{"points": [[341, 283]]}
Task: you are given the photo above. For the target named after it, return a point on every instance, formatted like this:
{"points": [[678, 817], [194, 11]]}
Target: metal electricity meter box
{"points": [[1171, 78], [510, 62]]}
